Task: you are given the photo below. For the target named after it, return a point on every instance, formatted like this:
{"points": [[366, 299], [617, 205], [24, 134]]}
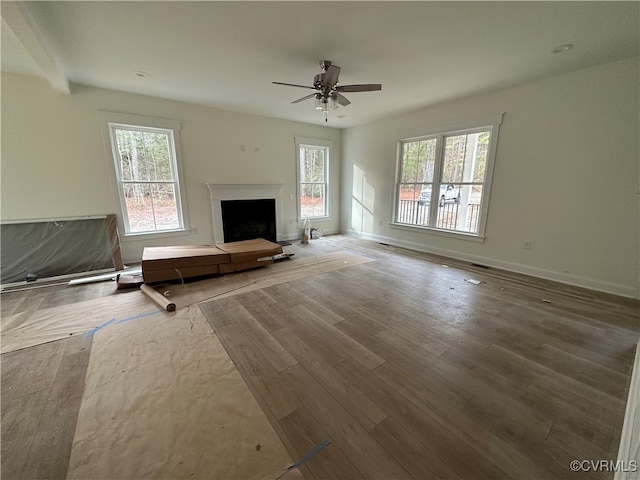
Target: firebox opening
{"points": [[249, 219]]}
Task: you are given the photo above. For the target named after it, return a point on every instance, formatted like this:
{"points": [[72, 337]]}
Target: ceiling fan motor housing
{"points": [[317, 81]]}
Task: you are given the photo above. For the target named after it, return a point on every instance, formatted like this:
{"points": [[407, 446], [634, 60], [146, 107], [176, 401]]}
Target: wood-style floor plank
{"points": [[460, 380], [371, 460], [306, 433], [408, 369], [42, 390], [51, 447]]}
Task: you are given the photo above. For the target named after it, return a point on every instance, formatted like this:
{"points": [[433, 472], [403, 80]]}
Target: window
{"points": [[147, 175], [313, 175], [444, 180]]}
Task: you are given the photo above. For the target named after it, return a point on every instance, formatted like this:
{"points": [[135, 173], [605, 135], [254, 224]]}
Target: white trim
{"points": [[136, 237], [109, 120], [440, 232], [574, 280], [242, 191], [298, 236], [328, 146], [629, 450], [127, 119], [461, 128], [418, 133], [313, 142]]}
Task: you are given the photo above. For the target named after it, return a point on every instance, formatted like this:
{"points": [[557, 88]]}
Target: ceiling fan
{"points": [[328, 94]]}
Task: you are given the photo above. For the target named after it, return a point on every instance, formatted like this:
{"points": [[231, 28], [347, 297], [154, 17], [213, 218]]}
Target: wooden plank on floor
{"points": [[361, 408], [261, 339], [256, 370], [20, 424], [305, 433], [51, 446], [371, 460]]}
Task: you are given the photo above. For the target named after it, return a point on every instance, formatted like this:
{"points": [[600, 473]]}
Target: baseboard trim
{"points": [[629, 450], [298, 236], [575, 280]]}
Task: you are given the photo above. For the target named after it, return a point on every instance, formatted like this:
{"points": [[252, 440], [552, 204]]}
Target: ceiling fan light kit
{"points": [[328, 96]]}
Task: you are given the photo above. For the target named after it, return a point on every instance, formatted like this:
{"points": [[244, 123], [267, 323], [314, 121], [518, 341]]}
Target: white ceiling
{"points": [[226, 54]]}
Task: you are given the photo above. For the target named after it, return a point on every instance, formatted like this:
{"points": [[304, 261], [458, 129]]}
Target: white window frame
{"points": [[326, 145], [492, 125], [112, 120]]}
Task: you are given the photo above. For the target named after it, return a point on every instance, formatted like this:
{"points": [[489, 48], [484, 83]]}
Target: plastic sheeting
{"points": [[45, 249]]}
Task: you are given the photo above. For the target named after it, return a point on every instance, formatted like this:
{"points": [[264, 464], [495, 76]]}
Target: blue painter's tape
{"points": [[307, 457], [99, 327], [113, 320], [142, 315]]}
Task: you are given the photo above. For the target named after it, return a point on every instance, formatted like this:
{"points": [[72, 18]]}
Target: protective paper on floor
{"points": [[34, 328], [163, 399]]}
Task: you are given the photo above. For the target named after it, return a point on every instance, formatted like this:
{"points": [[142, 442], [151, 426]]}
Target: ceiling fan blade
{"points": [[293, 85], [367, 87], [342, 100], [331, 75], [304, 98]]}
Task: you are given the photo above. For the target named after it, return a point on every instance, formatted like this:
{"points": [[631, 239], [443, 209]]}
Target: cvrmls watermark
{"points": [[603, 466]]}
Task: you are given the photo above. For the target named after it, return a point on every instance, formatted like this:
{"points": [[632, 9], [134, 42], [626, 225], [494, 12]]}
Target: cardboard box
{"points": [[248, 250], [164, 258], [239, 266], [153, 276], [160, 264]]}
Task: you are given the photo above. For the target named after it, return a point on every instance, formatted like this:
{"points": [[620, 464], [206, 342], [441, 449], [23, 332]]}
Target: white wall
{"points": [[54, 162], [566, 178]]}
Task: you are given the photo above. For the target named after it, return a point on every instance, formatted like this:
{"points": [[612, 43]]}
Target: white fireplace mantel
{"points": [[243, 191]]}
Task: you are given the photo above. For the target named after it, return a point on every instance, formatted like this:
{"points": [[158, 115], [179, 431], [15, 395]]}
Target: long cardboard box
{"points": [[164, 258], [160, 264], [239, 266], [249, 250], [153, 276]]}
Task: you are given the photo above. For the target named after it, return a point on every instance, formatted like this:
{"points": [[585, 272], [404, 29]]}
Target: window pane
{"points": [[165, 207], [312, 200], [139, 207], [480, 160], [151, 207], [459, 207], [418, 161], [455, 149], [465, 158], [413, 205], [144, 156], [312, 164]]}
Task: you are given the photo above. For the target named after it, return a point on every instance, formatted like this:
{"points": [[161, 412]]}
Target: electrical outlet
{"points": [[526, 245], [380, 223], [291, 196], [291, 221]]}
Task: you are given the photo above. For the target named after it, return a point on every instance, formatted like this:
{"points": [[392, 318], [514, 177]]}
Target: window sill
{"points": [[132, 237], [315, 219], [439, 232]]}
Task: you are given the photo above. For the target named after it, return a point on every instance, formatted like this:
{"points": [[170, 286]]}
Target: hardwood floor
{"points": [[41, 393], [409, 370], [413, 372]]}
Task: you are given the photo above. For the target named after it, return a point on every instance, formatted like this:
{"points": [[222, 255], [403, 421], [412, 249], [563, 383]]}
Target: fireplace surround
{"points": [[227, 192]]}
